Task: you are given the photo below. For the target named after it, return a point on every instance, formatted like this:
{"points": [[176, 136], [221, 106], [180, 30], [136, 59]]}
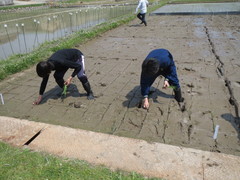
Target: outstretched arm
{"points": [[41, 91], [145, 103], [39, 99], [146, 83], [171, 76], [139, 4], [166, 83], [68, 81]]}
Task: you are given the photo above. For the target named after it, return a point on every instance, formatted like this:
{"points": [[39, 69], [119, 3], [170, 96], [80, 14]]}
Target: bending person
{"points": [[60, 62], [160, 62]]}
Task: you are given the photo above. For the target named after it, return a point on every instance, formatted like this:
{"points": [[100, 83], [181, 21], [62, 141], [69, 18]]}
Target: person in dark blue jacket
{"points": [[60, 62], [159, 62]]}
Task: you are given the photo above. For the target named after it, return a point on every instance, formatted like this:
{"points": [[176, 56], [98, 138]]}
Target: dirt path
{"points": [[203, 47]]}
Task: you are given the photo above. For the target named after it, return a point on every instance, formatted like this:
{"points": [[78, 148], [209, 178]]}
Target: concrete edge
{"points": [[149, 159]]}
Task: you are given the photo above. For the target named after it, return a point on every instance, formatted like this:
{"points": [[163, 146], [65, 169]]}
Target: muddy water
{"points": [[113, 65]]}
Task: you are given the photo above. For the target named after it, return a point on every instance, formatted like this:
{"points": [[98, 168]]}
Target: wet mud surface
{"points": [[206, 52]]}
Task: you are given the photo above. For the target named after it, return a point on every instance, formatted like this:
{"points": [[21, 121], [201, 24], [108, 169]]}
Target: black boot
{"points": [[87, 88], [179, 98], [178, 95]]}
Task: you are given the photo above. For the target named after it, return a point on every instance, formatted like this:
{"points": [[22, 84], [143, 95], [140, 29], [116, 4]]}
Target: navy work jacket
{"points": [[167, 69]]}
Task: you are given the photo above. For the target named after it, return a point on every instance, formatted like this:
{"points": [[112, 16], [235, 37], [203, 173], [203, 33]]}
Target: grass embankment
{"points": [[18, 6], [24, 164]]}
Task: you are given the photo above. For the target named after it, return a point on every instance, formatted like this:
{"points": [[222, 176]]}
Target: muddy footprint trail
{"points": [[205, 49]]}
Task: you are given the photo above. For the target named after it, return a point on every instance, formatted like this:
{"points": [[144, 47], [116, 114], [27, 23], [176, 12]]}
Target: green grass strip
{"points": [[19, 163]]}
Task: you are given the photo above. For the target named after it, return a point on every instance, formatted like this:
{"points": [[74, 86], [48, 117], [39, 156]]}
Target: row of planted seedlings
{"points": [[22, 35]]}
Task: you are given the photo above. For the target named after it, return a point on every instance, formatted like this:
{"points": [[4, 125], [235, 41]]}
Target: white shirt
{"points": [[142, 5]]}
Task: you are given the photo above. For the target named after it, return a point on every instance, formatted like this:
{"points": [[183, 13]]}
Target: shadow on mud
{"points": [[234, 121], [135, 25], [134, 97], [56, 93]]}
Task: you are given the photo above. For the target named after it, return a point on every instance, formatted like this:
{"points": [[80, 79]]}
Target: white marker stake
{"points": [[2, 98], [216, 132]]}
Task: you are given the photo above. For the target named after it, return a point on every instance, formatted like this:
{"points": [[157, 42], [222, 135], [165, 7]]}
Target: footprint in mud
{"points": [[202, 77], [212, 164], [194, 93], [189, 69], [76, 105], [103, 84], [190, 85], [206, 112], [103, 58]]}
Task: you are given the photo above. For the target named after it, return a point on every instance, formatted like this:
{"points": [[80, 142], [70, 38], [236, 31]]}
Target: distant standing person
{"points": [[160, 62], [60, 62], [142, 5]]}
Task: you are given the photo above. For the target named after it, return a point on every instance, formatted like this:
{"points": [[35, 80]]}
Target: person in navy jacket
{"points": [[60, 62], [159, 62]]}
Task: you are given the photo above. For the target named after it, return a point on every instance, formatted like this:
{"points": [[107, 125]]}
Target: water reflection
{"points": [[21, 36]]}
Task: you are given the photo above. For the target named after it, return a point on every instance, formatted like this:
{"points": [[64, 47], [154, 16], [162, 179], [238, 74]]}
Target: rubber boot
{"points": [[179, 98], [87, 88], [178, 95]]}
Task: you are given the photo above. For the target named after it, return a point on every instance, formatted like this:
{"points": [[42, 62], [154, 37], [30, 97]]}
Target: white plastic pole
{"points": [[216, 132], [2, 98]]}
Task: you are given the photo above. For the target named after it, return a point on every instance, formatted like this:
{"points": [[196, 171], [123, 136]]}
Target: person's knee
{"points": [[59, 80], [83, 79], [57, 76]]}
